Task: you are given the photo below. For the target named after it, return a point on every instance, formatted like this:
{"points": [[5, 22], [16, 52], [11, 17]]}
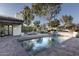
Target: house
{"points": [[10, 26]]}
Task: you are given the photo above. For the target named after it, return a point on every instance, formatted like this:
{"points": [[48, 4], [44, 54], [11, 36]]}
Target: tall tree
{"points": [[50, 10], [67, 20], [27, 15], [37, 23], [55, 23]]}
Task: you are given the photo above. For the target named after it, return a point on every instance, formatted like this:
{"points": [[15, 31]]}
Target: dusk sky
{"points": [[67, 9]]}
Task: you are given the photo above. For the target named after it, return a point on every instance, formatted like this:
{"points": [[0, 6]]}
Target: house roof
{"points": [[10, 20]]}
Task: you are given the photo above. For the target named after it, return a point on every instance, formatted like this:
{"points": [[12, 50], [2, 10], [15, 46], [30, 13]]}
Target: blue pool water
{"points": [[35, 45], [44, 43]]}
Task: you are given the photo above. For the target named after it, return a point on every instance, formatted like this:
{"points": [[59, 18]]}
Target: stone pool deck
{"points": [[9, 46], [30, 37], [67, 48]]}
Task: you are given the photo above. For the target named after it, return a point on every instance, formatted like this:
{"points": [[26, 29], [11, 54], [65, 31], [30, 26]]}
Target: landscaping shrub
{"points": [[43, 32], [27, 29]]}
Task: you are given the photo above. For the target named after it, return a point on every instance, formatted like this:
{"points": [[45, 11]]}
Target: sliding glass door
{"points": [[6, 30]]}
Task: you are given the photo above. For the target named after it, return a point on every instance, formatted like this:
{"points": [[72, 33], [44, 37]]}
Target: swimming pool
{"points": [[34, 46]]}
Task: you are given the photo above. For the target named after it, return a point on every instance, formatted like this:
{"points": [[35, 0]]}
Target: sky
{"points": [[67, 9]]}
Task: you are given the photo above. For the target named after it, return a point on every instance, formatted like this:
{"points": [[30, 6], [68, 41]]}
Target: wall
{"points": [[16, 30]]}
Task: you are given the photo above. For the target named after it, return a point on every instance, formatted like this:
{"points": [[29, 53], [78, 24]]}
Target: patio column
{"points": [[12, 29], [8, 30]]}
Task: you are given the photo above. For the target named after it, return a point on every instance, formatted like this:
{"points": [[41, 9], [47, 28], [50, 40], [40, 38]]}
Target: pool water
{"points": [[36, 45]]}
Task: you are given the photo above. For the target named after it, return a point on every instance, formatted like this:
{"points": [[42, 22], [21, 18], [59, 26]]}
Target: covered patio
{"points": [[10, 26]]}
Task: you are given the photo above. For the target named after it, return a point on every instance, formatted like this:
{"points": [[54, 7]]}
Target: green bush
{"points": [[27, 29], [43, 32]]}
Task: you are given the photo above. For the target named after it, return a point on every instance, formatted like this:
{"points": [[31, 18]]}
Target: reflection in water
{"points": [[39, 40], [36, 45], [27, 45]]}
